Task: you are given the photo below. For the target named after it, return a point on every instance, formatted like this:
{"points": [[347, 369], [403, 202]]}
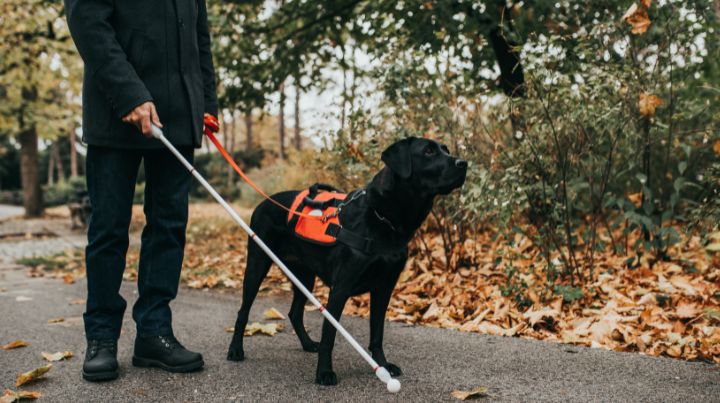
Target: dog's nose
{"points": [[461, 163]]}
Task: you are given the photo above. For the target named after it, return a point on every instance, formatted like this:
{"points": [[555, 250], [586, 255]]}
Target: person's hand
{"points": [[210, 124], [142, 117]]}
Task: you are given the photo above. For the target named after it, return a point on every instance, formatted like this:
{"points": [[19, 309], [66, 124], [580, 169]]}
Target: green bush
{"points": [[64, 192]]}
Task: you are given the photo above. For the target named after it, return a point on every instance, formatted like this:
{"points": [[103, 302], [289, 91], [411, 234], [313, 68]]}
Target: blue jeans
{"points": [[111, 176]]}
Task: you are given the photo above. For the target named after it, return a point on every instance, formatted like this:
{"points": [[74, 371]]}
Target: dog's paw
{"points": [[235, 354], [326, 378], [311, 347], [393, 369]]}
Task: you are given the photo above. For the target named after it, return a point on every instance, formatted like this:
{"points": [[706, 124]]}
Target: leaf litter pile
{"points": [[655, 308]]}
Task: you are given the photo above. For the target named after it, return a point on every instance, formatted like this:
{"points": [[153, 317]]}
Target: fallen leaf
{"points": [[23, 298], [480, 391], [59, 356], [78, 301], [11, 397], [69, 278], [648, 103], [15, 344], [230, 329], [30, 376], [536, 316], [686, 310], [638, 17], [273, 313], [269, 329], [56, 320]]}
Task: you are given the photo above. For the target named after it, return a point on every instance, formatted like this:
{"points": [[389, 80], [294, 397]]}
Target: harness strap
{"points": [[350, 239]]}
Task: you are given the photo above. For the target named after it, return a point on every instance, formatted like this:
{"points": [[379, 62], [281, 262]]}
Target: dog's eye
{"points": [[429, 151]]}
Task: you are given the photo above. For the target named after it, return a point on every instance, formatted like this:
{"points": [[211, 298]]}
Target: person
{"points": [[146, 62]]}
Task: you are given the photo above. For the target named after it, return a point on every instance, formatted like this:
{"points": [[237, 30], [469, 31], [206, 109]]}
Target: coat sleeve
{"points": [[105, 60], [206, 63]]}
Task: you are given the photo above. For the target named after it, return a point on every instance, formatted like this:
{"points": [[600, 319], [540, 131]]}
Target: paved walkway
{"points": [[37, 237], [10, 211]]}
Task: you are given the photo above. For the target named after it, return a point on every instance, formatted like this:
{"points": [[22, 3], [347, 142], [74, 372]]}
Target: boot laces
{"points": [[170, 342], [96, 345]]}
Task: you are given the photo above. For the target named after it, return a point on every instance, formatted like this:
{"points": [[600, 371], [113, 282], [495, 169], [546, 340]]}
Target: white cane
{"points": [[393, 385]]}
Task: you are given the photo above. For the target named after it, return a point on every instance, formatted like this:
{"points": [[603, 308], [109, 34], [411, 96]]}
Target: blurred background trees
{"points": [[591, 127], [39, 90]]}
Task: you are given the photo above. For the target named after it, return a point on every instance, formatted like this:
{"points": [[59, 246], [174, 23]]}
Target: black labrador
{"points": [[391, 209]]}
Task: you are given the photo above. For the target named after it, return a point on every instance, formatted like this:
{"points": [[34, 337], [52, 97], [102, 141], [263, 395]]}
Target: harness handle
{"points": [[249, 181]]}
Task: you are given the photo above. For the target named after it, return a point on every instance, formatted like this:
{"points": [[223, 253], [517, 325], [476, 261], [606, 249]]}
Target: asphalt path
{"points": [[435, 361]]}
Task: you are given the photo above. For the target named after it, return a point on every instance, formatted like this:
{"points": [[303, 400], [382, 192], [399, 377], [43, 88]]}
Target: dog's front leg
{"points": [[324, 374], [379, 300]]}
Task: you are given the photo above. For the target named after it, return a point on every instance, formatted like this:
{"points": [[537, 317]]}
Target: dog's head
{"points": [[426, 165]]}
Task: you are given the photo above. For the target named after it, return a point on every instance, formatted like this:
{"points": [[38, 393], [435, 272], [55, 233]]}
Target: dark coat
{"points": [[143, 50]]}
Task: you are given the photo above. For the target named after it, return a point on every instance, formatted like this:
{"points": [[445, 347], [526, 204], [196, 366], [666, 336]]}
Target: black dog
{"points": [[391, 209]]}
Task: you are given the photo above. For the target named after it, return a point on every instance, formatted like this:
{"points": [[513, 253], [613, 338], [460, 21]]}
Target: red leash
{"points": [[211, 127]]}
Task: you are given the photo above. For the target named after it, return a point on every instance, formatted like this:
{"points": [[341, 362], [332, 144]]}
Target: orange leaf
{"points": [[11, 397], [273, 313], [685, 310], [29, 376], [637, 16], [15, 344], [648, 103], [716, 148]]}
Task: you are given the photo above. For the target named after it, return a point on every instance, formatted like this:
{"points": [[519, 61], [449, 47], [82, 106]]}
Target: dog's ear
{"points": [[397, 157]]}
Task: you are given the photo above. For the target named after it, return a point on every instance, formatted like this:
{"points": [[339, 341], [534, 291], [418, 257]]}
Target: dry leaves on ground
{"points": [[30, 376], [15, 344], [268, 329], [59, 356], [273, 313], [11, 397], [480, 391]]}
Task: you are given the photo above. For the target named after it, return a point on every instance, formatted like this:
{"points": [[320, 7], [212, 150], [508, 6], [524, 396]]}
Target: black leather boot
{"points": [[100, 361], [167, 353]]}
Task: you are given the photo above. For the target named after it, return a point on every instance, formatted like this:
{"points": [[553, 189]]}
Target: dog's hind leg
{"points": [[258, 265], [297, 311]]}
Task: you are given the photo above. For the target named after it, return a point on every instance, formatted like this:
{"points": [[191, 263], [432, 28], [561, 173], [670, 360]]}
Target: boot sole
{"points": [[148, 362], [100, 376]]}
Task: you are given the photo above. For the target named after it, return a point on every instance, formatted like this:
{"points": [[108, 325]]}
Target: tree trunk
{"points": [[59, 163], [281, 119], [249, 129], [73, 155], [29, 172], [51, 165], [298, 138]]}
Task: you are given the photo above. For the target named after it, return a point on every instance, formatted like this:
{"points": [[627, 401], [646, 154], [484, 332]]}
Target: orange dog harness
{"points": [[323, 205], [315, 217]]}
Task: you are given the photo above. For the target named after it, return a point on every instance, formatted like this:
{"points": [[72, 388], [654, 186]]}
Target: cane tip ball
{"points": [[393, 386]]}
